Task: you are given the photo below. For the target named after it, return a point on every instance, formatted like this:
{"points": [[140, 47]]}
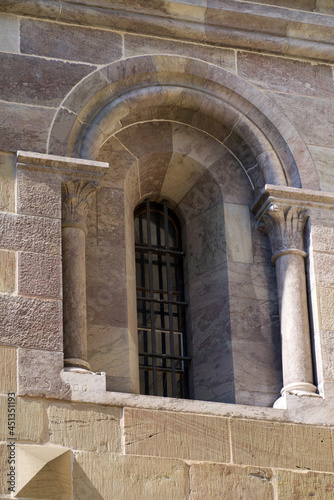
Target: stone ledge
{"points": [[240, 24]]}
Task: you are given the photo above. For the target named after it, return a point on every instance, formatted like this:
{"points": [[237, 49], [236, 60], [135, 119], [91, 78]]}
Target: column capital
{"points": [[76, 198], [285, 228]]}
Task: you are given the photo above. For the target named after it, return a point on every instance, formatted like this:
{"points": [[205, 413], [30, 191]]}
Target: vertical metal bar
{"points": [[150, 273], [169, 295]]}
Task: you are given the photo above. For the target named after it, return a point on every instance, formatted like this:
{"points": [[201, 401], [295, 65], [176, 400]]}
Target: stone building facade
{"points": [[225, 110]]}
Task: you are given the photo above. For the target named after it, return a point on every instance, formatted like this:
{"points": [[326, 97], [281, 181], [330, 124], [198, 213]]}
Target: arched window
{"points": [[163, 361]]}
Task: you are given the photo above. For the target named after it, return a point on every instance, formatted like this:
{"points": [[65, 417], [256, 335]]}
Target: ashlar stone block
{"points": [[179, 435], [281, 445], [217, 482], [85, 427], [109, 476], [7, 180], [301, 485], [29, 419], [38, 193], [7, 271], [30, 234], [39, 275], [9, 34], [8, 369]]}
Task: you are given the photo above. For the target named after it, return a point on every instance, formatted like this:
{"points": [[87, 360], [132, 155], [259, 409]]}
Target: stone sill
{"points": [[237, 24]]}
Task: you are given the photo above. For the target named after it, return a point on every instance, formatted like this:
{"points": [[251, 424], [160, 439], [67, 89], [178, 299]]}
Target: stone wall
{"points": [[202, 103]]}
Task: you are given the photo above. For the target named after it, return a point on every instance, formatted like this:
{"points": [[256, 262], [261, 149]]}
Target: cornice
{"points": [[226, 23]]}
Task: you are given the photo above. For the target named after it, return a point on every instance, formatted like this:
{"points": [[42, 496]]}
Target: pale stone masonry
{"points": [[225, 109]]}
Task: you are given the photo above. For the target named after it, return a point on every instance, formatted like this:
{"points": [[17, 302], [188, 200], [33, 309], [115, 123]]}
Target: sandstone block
{"points": [[108, 350], [38, 193], [323, 159], [33, 80], [9, 34], [89, 88], [217, 482], [29, 420], [8, 370], [172, 434], [135, 46], [7, 182], [127, 477], [73, 43], [121, 160], [31, 234], [282, 445], [44, 472], [85, 427], [286, 75], [299, 486], [39, 275], [326, 312], [31, 322], [7, 271], [21, 126], [312, 117], [61, 130], [4, 467], [182, 174]]}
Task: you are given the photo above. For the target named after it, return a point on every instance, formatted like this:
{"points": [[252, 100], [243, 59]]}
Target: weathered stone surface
{"points": [[8, 370], [171, 434], [135, 45], [324, 159], [84, 427], [304, 484], [287, 446], [39, 275], [256, 365], [205, 236], [286, 75], [181, 175], [254, 320], [9, 34], [90, 89], [327, 354], [7, 182], [323, 266], [312, 117], [33, 80], [152, 171], [208, 287], [73, 43], [108, 350], [326, 311], [4, 466], [7, 271], [227, 481], [61, 130], [21, 126], [147, 137], [120, 161], [29, 420], [34, 234], [238, 233], [251, 281], [38, 193], [322, 236], [30, 322], [127, 477]]}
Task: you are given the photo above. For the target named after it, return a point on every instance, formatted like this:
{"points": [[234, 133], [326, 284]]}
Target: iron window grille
{"points": [[163, 360]]}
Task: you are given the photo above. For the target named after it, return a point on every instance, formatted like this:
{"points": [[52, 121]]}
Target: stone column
{"points": [[76, 196], [285, 226]]}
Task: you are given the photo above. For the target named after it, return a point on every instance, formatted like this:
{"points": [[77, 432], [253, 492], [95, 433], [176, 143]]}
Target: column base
{"points": [[77, 365], [295, 389]]}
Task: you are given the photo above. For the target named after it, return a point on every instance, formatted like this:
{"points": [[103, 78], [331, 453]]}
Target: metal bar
{"points": [[166, 356], [160, 369], [155, 249], [170, 305], [163, 301], [150, 274]]}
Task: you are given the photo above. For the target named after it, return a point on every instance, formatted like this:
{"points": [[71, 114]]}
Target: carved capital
{"points": [[285, 228], [76, 197]]}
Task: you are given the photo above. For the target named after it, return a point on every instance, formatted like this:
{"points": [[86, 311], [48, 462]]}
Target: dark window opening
{"points": [[163, 360]]}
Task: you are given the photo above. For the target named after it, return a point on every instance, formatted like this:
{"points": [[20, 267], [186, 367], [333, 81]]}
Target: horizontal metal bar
{"points": [[162, 369], [156, 249], [159, 330], [163, 301], [164, 356]]}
